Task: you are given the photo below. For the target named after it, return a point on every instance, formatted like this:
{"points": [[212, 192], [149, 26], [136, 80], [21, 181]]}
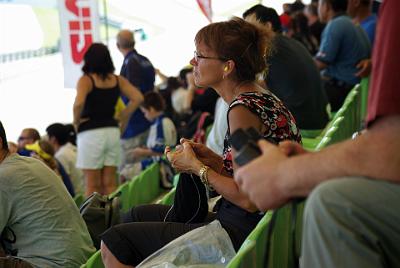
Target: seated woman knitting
{"points": [[228, 57]]}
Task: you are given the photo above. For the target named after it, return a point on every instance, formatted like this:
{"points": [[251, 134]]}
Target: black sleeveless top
{"points": [[99, 107]]}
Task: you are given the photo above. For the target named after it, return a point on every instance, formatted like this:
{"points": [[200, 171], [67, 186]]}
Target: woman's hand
{"points": [[183, 159], [205, 155]]}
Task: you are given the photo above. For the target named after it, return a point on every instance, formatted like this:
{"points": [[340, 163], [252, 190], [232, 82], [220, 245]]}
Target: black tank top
{"points": [[99, 107]]}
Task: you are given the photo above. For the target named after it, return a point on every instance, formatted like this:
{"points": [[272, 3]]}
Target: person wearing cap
{"points": [[39, 214], [43, 151], [66, 153]]}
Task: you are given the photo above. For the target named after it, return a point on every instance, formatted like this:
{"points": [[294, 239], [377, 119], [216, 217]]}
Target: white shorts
{"points": [[98, 148]]}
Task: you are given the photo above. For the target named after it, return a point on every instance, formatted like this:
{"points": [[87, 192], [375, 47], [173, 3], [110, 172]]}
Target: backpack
{"points": [[202, 124], [100, 212]]}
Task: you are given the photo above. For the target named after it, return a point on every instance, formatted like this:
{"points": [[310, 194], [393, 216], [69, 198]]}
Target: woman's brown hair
{"points": [[246, 44]]}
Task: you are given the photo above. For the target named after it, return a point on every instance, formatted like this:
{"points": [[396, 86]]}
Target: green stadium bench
{"points": [[364, 97], [141, 189], [251, 253], [245, 257], [94, 261], [124, 197], [79, 198], [168, 199]]}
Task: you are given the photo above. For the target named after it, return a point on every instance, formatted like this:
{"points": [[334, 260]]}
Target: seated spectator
{"points": [[201, 107], [65, 152], [39, 214], [201, 99], [314, 24], [353, 187], [292, 75], [297, 5], [343, 46], [215, 139], [162, 133], [27, 136], [299, 31], [224, 62], [12, 147], [71, 134], [361, 12], [179, 96], [175, 97], [285, 17], [43, 151]]}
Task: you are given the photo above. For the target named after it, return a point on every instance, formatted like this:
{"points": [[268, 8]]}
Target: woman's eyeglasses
{"points": [[197, 56]]}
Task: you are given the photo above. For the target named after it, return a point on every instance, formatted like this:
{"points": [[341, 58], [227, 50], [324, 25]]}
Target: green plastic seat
{"points": [[310, 144], [176, 179], [79, 198], [310, 133], [285, 241], [168, 199], [364, 97], [323, 143], [247, 256], [94, 261], [124, 197], [148, 188]]}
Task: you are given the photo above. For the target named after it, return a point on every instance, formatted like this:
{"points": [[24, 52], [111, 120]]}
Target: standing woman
{"points": [[98, 145], [228, 57]]}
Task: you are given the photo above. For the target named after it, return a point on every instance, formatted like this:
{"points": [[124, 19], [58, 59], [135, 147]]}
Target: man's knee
{"points": [[328, 198]]}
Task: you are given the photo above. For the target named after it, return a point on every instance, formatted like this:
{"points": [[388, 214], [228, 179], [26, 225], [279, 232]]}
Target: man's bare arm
{"points": [[274, 178]]}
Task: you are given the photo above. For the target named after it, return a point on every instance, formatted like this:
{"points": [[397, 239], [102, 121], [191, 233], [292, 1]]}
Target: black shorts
{"points": [[336, 92], [132, 242]]}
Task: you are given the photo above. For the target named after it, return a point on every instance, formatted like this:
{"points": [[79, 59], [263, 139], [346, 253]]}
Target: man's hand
{"points": [[364, 67], [263, 179], [291, 148]]}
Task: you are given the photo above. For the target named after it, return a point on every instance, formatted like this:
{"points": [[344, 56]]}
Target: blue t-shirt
{"points": [[140, 72], [343, 45], [369, 25]]}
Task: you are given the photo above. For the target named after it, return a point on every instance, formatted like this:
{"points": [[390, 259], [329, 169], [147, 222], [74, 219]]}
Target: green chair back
{"points": [[245, 257], [252, 251], [94, 261], [79, 198], [364, 97], [168, 199]]}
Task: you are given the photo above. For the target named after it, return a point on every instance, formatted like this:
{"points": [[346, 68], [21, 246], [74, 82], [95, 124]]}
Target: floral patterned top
{"points": [[278, 121]]}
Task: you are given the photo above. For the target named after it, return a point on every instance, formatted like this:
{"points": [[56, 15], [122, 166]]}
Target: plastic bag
{"points": [[207, 246]]}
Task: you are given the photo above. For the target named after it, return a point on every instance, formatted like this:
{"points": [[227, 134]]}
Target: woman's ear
{"points": [[229, 66]]}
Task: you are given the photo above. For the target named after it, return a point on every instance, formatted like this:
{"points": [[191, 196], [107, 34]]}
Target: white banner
{"points": [[80, 27]]}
